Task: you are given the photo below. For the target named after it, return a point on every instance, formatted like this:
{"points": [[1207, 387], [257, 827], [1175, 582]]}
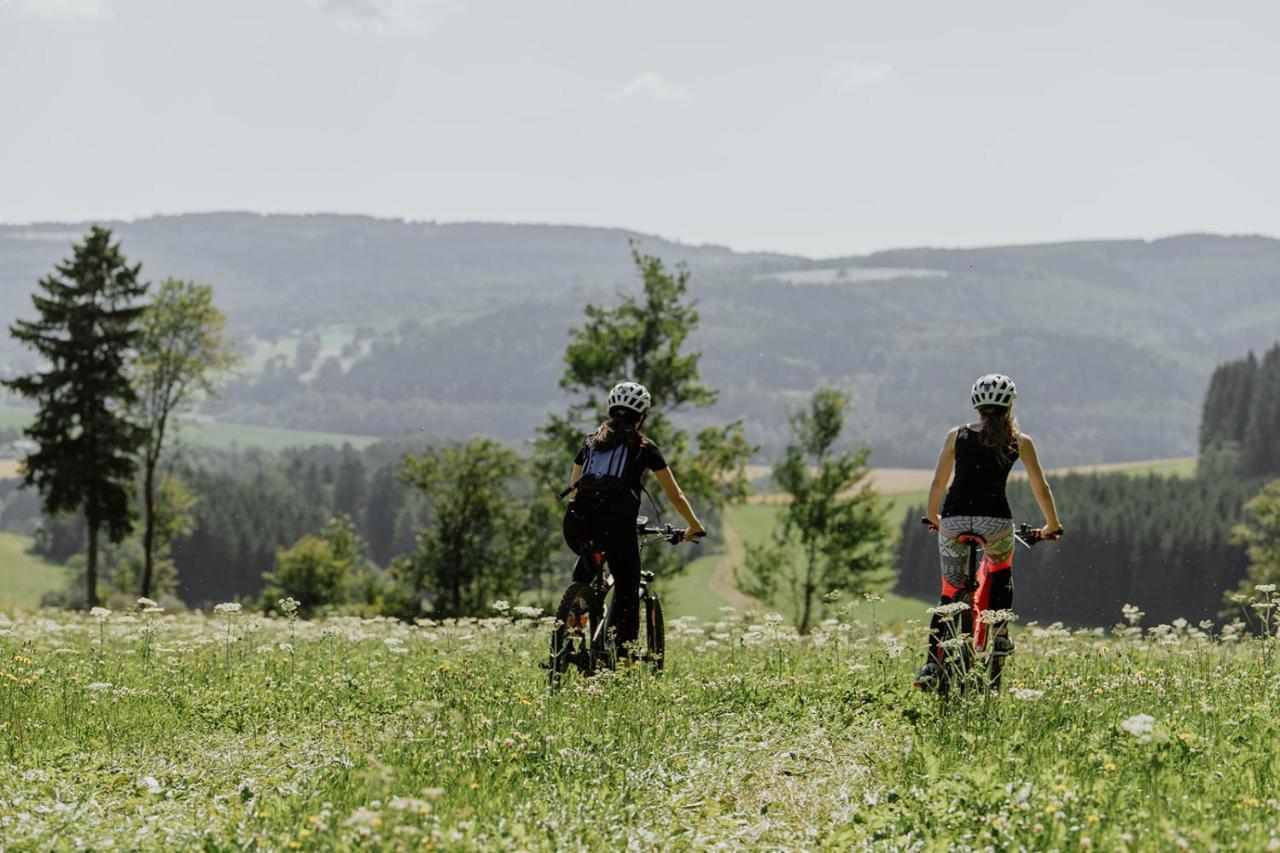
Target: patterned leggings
{"points": [[995, 575]]}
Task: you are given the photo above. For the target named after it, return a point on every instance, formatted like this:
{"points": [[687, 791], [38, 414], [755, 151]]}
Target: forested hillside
{"points": [[381, 327]]}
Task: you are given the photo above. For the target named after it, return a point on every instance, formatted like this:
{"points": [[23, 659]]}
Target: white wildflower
{"points": [[995, 617], [144, 603], [100, 613], [949, 609], [1026, 693], [227, 607], [1140, 726], [1132, 614], [288, 606], [1265, 588], [99, 686], [409, 804], [501, 606], [528, 612], [150, 784], [773, 618]]}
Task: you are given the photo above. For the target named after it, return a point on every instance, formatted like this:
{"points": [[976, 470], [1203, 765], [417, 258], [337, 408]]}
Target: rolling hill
{"points": [[364, 326]]}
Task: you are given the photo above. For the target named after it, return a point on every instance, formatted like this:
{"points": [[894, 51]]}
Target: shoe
{"points": [[927, 677]]}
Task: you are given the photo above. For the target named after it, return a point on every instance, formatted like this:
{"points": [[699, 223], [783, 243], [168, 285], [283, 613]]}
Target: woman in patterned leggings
{"points": [[981, 456]]}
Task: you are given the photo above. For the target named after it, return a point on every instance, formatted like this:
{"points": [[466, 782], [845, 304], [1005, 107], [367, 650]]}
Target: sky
{"points": [[818, 128]]}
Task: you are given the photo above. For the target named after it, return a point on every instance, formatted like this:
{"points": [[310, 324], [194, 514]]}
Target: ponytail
{"points": [[1000, 432], [623, 427]]}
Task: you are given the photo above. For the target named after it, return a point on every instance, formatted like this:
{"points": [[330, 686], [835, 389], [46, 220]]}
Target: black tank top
{"points": [[978, 487]]}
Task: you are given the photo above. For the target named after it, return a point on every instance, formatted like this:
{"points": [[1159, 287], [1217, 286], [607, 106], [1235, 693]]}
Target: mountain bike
{"points": [[969, 637], [581, 638]]}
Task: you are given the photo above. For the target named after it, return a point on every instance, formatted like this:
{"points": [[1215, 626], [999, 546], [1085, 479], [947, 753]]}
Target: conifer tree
{"points": [[85, 333]]}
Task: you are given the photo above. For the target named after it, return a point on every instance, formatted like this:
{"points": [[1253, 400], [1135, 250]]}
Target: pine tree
{"points": [[85, 333], [1262, 434]]}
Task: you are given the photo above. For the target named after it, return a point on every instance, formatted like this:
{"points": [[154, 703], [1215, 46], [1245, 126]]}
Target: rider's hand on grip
{"points": [[929, 523]]}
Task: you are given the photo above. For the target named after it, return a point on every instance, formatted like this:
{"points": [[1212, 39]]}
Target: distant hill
{"points": [[371, 326]]}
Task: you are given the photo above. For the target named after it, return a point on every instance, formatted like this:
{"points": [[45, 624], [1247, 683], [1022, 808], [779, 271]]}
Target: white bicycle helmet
{"points": [[630, 395], [994, 389]]}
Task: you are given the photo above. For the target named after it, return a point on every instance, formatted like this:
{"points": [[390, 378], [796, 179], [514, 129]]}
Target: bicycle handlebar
{"points": [[1026, 533], [674, 535]]}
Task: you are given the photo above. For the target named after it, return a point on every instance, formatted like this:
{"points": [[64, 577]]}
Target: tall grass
{"points": [[152, 731]]}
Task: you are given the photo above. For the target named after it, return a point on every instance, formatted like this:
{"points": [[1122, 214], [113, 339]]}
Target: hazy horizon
{"points": [[623, 227], [820, 131]]}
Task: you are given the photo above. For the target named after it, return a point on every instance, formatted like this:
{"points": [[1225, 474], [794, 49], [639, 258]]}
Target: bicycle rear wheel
{"points": [[654, 633], [578, 619]]}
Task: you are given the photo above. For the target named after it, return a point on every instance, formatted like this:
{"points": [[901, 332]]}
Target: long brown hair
{"points": [[999, 431], [623, 427]]}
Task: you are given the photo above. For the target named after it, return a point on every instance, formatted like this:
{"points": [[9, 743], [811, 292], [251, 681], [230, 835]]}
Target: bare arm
{"points": [[1039, 486], [672, 490], [941, 477]]}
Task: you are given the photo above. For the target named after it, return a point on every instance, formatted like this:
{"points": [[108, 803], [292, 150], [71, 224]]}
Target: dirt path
{"points": [[722, 580]]}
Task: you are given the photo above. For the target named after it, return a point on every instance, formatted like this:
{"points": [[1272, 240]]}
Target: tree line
{"points": [[1241, 419]]}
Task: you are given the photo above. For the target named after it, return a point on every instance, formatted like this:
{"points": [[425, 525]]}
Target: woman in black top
{"points": [[981, 456], [606, 483]]}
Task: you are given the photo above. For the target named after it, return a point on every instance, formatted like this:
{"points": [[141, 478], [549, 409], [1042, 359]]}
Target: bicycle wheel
{"points": [[578, 619], [654, 633]]}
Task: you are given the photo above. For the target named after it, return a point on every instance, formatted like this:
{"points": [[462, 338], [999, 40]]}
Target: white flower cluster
{"points": [[227, 608], [1141, 726]]}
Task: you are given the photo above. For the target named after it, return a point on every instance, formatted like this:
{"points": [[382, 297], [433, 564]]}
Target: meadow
{"points": [[146, 730]]}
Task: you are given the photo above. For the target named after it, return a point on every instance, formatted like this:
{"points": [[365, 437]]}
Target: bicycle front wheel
{"points": [[654, 633]]}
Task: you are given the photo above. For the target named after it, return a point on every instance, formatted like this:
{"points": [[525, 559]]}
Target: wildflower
{"points": [[1263, 606], [289, 605], [99, 686], [1132, 614], [994, 617], [773, 618], [528, 612], [949, 609], [833, 595], [150, 784], [1140, 726], [409, 804], [1206, 625], [1026, 694], [227, 607], [1108, 768], [871, 596], [1265, 588], [501, 606], [100, 613]]}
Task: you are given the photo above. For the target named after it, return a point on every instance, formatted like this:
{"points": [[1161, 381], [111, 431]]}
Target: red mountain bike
{"points": [[966, 629], [580, 638]]}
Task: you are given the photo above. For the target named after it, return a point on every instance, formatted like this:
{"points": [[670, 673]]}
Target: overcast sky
{"points": [[813, 127]]}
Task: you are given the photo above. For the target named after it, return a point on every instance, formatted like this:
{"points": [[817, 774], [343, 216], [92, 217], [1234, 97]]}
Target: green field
{"points": [[24, 578], [239, 732], [208, 433], [691, 594]]}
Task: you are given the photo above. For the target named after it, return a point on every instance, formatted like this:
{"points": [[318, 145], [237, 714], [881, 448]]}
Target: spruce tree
{"points": [[85, 333]]}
